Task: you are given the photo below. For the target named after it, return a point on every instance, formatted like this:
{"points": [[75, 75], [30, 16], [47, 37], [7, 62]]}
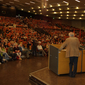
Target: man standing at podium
{"points": [[72, 45]]}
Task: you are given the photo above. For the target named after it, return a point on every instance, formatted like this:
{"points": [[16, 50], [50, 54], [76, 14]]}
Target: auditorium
{"points": [[42, 42]]}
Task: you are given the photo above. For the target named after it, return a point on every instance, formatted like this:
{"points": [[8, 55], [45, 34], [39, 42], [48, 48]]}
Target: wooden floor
{"points": [[17, 73]]}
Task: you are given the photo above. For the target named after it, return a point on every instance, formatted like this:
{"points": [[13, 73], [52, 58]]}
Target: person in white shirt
{"points": [[40, 48]]}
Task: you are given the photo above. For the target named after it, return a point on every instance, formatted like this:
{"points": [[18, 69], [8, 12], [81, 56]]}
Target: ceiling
{"points": [[60, 9]]}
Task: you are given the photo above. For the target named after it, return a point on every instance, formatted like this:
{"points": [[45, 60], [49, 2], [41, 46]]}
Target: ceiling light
{"points": [[59, 5], [59, 8], [38, 7], [61, 15], [75, 11], [22, 9], [39, 10], [84, 11], [44, 6], [55, 12], [67, 15], [80, 18], [77, 7], [32, 8], [47, 15], [27, 3], [68, 8], [53, 9], [60, 12], [40, 13], [67, 11], [28, 11], [47, 10], [51, 6], [82, 14], [77, 0], [35, 13], [74, 15]]}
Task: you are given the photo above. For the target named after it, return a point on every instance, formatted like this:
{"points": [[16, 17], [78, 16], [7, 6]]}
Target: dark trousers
{"points": [[73, 62]]}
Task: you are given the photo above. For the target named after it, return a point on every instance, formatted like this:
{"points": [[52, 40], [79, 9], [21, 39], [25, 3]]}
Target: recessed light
{"points": [[38, 7], [32, 8], [55, 12], [58, 4], [82, 14], [47, 15], [22, 9], [53, 9], [47, 10], [28, 11], [68, 8], [67, 11], [51, 6], [73, 17], [77, 7], [59, 8], [40, 13], [39, 10], [61, 12], [75, 11], [80, 18]]}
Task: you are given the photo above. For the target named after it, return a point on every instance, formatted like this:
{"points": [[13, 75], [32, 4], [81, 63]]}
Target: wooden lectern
{"points": [[58, 63]]}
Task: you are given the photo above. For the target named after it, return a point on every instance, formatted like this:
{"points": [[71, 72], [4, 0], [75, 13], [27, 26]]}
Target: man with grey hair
{"points": [[72, 45]]}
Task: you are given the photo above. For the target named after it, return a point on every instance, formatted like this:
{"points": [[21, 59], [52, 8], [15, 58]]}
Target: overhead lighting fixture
{"points": [[46, 0], [68, 8], [74, 15], [67, 15], [58, 4], [51, 6], [47, 15], [44, 7], [53, 9], [39, 10], [61, 15], [27, 3], [67, 11], [75, 11], [55, 12], [22, 9], [77, 7], [82, 14], [61, 12], [66, 2], [59, 8], [84, 11], [77, 1], [80, 18], [28, 11], [32, 8], [47, 10], [40, 13], [38, 7], [35, 13]]}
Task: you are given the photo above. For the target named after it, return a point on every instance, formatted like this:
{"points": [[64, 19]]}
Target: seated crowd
{"points": [[19, 41]]}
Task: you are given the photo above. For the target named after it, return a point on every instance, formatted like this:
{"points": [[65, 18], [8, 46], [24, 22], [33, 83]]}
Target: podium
{"points": [[58, 63]]}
